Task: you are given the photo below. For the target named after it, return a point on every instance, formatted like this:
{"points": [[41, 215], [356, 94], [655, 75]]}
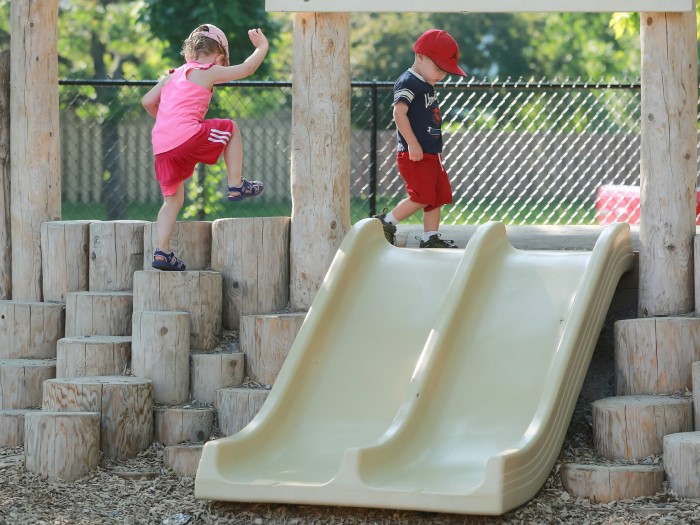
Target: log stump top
{"points": [[102, 380]]}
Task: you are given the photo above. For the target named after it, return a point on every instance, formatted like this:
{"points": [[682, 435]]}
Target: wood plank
{"points": [[5, 224]]}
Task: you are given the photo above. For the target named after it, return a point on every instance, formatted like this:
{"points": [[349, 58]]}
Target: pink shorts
{"points": [[207, 145], [426, 180]]}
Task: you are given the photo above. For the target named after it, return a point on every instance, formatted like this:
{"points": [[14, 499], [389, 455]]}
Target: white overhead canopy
{"points": [[478, 6]]}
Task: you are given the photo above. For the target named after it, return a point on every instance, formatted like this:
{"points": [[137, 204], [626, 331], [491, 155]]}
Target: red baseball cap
{"points": [[442, 49]]}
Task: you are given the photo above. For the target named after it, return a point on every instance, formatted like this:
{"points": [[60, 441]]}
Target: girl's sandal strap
{"points": [[249, 188]]}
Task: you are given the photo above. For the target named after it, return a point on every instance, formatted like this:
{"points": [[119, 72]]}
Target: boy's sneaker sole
{"points": [[435, 241], [389, 229]]}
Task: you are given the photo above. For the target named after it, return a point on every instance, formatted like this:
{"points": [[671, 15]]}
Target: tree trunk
{"points": [[5, 224]]}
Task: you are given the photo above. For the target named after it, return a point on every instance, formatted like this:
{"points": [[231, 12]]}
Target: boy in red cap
{"points": [[182, 137], [418, 127]]}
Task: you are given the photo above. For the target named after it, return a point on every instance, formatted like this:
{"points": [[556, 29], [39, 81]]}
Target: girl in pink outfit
{"points": [[182, 138]]}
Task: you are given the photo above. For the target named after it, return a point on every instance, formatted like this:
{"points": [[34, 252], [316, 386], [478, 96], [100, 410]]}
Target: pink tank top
{"points": [[181, 110]]}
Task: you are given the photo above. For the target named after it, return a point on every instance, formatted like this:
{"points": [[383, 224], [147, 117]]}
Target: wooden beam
{"points": [[478, 6]]}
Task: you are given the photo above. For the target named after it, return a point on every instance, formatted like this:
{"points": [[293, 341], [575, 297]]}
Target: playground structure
{"points": [[98, 275]]}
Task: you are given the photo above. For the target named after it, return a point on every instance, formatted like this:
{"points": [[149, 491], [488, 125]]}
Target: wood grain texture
{"points": [[12, 427], [175, 425], [5, 222], [116, 252], [65, 259], [236, 407], [696, 392], [30, 330], [215, 370], [98, 355], [603, 484], [190, 241], [681, 453], [183, 460], [21, 380], [98, 313]]}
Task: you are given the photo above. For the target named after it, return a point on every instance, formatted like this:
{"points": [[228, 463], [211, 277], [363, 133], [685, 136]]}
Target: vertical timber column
{"points": [[668, 163], [35, 158], [320, 149], [5, 228]]}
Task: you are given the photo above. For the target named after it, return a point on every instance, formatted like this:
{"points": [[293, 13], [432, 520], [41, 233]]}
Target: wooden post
{"points": [[116, 252], [36, 159], [5, 225], [65, 263], [681, 453], [320, 154], [606, 483], [668, 163], [696, 393]]}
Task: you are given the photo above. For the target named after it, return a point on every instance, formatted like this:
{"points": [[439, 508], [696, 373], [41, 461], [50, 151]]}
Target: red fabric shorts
{"points": [[426, 180], [207, 145]]}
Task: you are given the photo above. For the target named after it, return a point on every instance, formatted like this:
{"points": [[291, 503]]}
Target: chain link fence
{"points": [[517, 152]]}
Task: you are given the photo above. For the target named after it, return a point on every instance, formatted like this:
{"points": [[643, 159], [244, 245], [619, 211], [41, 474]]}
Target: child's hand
{"points": [[257, 38], [415, 152]]}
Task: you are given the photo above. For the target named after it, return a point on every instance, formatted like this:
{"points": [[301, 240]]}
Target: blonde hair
{"points": [[197, 44]]}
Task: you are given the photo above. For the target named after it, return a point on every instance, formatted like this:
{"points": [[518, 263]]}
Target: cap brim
{"points": [[452, 69]]}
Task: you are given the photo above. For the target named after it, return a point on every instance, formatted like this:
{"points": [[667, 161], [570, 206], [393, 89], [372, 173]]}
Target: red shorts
{"points": [[176, 165], [426, 180]]}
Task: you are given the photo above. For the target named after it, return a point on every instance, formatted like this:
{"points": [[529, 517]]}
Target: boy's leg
{"points": [[167, 216], [406, 208], [431, 220]]}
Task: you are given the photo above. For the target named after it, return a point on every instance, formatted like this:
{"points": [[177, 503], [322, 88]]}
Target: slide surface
{"points": [[437, 380]]}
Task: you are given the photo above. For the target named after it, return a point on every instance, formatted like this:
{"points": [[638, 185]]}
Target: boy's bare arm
{"points": [[415, 152], [219, 74]]}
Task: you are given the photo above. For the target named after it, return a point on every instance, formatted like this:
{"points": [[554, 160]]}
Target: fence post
{"points": [[373, 152]]}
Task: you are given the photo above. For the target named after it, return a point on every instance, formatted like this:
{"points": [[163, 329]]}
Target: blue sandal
{"points": [[168, 263], [249, 188]]}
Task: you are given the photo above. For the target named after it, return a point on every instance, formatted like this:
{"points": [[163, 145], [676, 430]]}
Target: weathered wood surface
{"points": [[125, 405], [175, 425], [212, 371], [30, 330], [603, 484], [320, 169], [21, 380], [654, 355], [236, 407], [668, 162], [5, 224], [633, 427], [696, 393], [35, 185], [98, 313], [65, 258], [198, 293], [98, 355], [116, 252], [266, 340], [253, 257], [681, 462], [190, 241], [161, 351], [62, 445], [12, 427], [183, 460]]}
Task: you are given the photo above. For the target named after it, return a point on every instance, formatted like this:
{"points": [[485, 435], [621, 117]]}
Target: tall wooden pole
{"points": [[5, 228], [320, 149], [669, 163], [35, 158]]}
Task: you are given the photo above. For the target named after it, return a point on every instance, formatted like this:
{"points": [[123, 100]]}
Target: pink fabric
{"points": [[181, 110]]}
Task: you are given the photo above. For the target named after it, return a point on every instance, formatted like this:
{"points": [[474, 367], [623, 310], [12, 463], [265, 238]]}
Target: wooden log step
{"points": [[116, 252], [266, 340], [98, 313], [252, 255], [65, 262], [12, 427], [212, 371], [633, 427], [682, 463], [197, 293], [62, 445], [125, 405], [175, 425], [190, 241], [183, 460], [236, 407], [30, 330], [95, 355], [21, 380], [654, 355], [696, 393], [603, 484]]}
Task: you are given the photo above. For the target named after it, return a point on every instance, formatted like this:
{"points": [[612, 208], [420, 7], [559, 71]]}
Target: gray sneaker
{"points": [[435, 241], [389, 229]]}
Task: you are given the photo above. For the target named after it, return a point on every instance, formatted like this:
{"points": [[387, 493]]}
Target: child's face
{"points": [[426, 68]]}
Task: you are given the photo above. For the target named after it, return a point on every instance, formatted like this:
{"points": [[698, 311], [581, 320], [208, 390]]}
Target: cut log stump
{"points": [[190, 241], [65, 262], [12, 427], [125, 405], [696, 393], [21, 380], [97, 355], [98, 313], [161, 351], [252, 254], [197, 293], [633, 427], [178, 425], [62, 445], [654, 355], [183, 459], [116, 252], [603, 484], [682, 463], [236, 407], [266, 340], [30, 330], [212, 371]]}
